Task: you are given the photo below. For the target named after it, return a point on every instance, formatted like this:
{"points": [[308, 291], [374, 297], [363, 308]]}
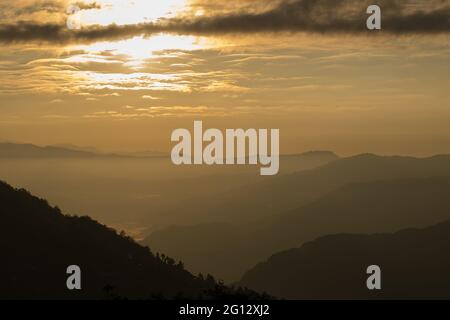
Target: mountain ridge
{"points": [[39, 243], [334, 266], [26, 150], [289, 191], [288, 229]]}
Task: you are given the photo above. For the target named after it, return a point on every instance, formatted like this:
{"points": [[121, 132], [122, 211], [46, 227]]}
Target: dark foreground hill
{"points": [[414, 263], [229, 250], [38, 243]]}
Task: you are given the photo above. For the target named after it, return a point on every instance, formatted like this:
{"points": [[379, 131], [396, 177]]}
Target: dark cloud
{"points": [[323, 16], [408, 16], [25, 31], [87, 6], [51, 7]]}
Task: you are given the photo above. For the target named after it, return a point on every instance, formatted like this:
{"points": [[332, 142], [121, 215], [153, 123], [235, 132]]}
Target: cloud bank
{"points": [[315, 16]]}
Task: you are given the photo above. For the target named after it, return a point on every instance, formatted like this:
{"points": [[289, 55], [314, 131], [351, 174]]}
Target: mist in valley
{"points": [[137, 194]]}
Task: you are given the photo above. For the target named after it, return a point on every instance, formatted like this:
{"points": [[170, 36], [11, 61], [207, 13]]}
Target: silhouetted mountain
{"points": [[414, 265], [77, 148], [282, 193], [146, 154], [131, 154], [38, 243], [387, 205], [380, 206], [305, 161], [249, 201], [14, 150]]}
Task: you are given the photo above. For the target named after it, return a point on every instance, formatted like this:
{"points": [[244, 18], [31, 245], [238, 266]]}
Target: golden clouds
{"points": [[229, 65]]}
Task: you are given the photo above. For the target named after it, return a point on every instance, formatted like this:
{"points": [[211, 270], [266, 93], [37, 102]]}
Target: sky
{"points": [[136, 70]]}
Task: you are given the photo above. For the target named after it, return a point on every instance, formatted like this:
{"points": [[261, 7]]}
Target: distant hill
{"points": [[145, 154], [250, 201], [386, 205], [137, 154], [30, 151], [286, 192], [414, 265], [38, 243], [77, 148], [378, 206], [305, 161]]}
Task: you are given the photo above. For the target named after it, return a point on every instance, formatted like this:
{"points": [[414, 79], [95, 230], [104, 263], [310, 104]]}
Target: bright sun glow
{"points": [[139, 49], [122, 12], [137, 52]]}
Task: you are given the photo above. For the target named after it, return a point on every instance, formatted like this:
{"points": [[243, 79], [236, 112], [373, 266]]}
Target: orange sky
{"points": [[341, 89]]}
